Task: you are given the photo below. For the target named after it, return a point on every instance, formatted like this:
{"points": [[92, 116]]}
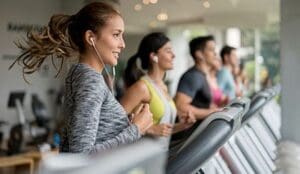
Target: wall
{"points": [[290, 68], [22, 14]]}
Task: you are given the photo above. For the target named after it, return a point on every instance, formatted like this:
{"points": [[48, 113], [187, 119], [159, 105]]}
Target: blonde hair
{"points": [[63, 36]]}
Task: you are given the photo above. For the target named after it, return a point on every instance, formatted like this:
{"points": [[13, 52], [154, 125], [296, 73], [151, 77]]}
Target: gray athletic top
{"points": [[94, 119]]}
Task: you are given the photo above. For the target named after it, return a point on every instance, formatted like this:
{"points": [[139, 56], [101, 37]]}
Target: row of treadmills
{"points": [[242, 138]]}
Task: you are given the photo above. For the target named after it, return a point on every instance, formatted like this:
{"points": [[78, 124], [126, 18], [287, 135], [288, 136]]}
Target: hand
{"points": [[212, 110], [160, 130], [142, 118], [187, 117], [181, 126], [225, 100], [213, 105]]}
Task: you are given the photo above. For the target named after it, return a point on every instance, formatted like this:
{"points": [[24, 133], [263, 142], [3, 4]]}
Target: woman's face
{"points": [[110, 40], [165, 57]]}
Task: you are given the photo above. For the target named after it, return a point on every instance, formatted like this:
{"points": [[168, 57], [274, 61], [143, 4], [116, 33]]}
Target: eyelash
{"points": [[116, 35]]}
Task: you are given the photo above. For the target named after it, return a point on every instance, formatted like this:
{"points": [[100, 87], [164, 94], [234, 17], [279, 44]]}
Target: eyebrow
{"points": [[119, 30]]}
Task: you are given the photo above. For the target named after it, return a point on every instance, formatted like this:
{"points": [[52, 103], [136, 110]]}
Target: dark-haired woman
{"points": [[156, 57]]}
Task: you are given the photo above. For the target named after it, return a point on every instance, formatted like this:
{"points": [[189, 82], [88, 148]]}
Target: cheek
{"points": [[109, 43], [168, 60]]}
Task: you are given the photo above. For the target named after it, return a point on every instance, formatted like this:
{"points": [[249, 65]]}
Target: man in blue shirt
{"points": [[225, 76]]}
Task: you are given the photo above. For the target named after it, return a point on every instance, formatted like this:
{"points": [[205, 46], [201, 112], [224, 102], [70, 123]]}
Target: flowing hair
{"points": [[62, 37]]}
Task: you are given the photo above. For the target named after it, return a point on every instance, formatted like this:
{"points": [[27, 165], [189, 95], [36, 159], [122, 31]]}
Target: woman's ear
{"points": [[154, 57], [89, 37]]}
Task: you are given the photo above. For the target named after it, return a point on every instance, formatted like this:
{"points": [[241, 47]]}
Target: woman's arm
{"points": [[135, 95], [160, 130], [89, 92], [181, 126]]}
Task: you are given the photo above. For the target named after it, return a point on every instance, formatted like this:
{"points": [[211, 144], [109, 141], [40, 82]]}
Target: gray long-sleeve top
{"points": [[94, 120]]}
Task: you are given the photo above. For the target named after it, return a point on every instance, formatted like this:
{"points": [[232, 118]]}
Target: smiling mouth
{"points": [[116, 55]]}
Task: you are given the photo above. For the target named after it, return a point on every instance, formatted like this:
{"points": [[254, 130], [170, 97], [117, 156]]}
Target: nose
{"points": [[172, 54], [122, 43]]}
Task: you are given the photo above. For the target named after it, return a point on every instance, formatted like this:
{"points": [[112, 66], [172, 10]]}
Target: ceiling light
{"points": [[153, 1], [138, 7], [206, 4], [153, 24], [146, 2], [162, 16], [234, 2]]}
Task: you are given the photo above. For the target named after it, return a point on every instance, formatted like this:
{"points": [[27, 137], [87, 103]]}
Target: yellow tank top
{"points": [[157, 105]]}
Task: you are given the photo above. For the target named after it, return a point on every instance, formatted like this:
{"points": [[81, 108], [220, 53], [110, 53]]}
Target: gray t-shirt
{"points": [[94, 119], [194, 84]]}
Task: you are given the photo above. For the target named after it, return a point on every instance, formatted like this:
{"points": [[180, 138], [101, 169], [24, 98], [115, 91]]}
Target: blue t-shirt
{"points": [[226, 82]]}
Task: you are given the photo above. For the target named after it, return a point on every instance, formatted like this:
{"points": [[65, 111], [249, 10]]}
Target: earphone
{"points": [[105, 69], [155, 59]]}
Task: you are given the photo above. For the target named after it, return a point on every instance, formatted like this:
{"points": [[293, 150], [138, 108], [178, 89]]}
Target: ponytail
{"points": [[63, 36], [52, 41], [132, 71], [151, 43]]}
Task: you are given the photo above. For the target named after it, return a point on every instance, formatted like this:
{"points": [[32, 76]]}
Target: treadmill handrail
{"points": [[200, 149], [232, 113], [260, 100], [256, 104], [213, 131]]}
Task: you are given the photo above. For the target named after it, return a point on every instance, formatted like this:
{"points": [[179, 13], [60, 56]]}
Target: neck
{"points": [[156, 74], [91, 60], [213, 72], [228, 66], [202, 67]]}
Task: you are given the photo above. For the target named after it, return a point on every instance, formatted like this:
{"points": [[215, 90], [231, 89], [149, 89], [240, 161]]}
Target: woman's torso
{"points": [[112, 117], [161, 106]]}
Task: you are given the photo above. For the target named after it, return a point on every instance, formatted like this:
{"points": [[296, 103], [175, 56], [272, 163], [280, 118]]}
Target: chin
{"points": [[169, 68], [114, 63]]}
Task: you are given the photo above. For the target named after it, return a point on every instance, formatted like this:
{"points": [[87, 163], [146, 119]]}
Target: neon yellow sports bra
{"points": [[157, 104]]}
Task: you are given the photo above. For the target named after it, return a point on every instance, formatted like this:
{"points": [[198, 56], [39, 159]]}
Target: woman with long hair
{"points": [[155, 56], [94, 120]]}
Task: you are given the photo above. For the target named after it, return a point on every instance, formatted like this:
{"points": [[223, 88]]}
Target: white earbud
{"points": [[105, 69], [155, 59], [92, 40]]}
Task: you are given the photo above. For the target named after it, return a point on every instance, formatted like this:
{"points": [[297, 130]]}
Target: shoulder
{"points": [[193, 75], [140, 88], [226, 71], [222, 73], [83, 72], [187, 73], [84, 78]]}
